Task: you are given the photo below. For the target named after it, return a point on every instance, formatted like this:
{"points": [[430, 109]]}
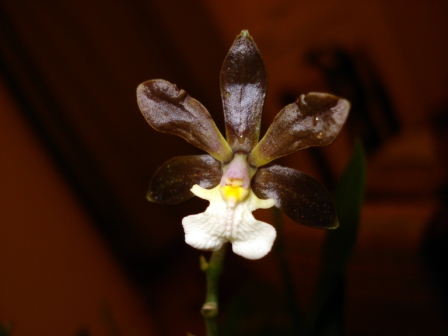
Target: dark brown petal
{"points": [[168, 109], [299, 195], [173, 180], [243, 88], [314, 119]]}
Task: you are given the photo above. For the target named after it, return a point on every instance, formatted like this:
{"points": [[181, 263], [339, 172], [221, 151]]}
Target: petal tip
{"points": [[245, 34], [343, 107], [149, 198], [258, 247], [334, 225]]}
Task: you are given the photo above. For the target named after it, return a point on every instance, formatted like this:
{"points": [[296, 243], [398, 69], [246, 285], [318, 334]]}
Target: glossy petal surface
{"points": [[243, 89], [299, 195], [173, 180], [168, 109], [314, 119]]}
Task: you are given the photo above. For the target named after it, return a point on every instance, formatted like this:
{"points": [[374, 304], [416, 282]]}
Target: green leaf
{"points": [[326, 311], [257, 309], [5, 329]]}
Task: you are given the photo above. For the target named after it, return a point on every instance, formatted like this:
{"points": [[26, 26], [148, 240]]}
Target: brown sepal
{"points": [[243, 89], [168, 109], [314, 119], [299, 195], [173, 180]]}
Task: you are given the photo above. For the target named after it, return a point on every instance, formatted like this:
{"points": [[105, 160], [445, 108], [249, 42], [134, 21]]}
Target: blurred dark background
{"points": [[81, 250]]}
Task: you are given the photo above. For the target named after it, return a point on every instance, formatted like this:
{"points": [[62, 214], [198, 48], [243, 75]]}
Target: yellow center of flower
{"points": [[233, 192]]}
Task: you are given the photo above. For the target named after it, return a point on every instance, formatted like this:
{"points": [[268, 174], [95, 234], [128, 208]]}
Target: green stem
{"points": [[213, 269]]}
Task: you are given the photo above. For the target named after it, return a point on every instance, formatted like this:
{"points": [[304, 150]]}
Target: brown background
{"points": [[79, 243]]}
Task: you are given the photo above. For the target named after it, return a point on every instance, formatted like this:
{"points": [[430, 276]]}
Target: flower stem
{"points": [[213, 269]]}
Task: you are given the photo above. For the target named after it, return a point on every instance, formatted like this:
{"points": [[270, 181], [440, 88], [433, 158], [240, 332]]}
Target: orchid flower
{"points": [[231, 176]]}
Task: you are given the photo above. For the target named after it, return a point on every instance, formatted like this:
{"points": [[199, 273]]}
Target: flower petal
{"points": [[222, 222], [314, 119], [168, 109], [172, 182], [243, 89], [254, 239], [299, 195], [207, 230]]}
